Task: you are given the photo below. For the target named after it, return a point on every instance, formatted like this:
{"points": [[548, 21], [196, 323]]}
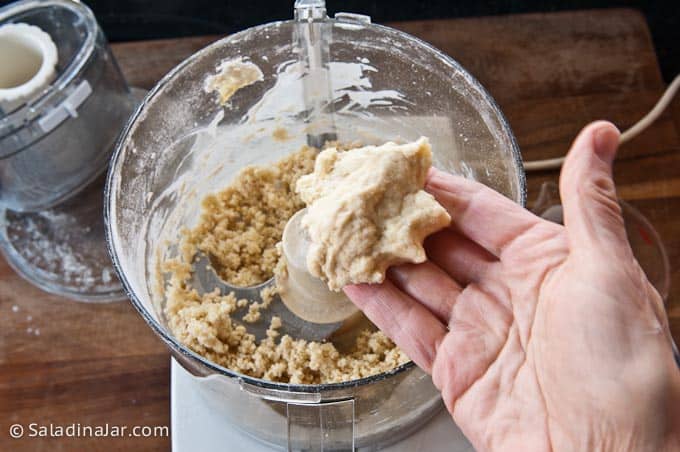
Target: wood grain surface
{"points": [[551, 74]]}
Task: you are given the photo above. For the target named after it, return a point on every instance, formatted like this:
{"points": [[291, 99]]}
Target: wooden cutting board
{"points": [[551, 74]]}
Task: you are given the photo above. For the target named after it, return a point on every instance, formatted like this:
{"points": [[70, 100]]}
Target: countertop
{"points": [[550, 73]]}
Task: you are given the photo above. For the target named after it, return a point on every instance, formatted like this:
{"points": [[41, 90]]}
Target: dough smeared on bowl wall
{"points": [[231, 76]]}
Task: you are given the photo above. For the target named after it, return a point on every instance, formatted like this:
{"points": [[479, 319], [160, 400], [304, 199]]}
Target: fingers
{"points": [[459, 257], [592, 214], [480, 213], [409, 324], [429, 285]]}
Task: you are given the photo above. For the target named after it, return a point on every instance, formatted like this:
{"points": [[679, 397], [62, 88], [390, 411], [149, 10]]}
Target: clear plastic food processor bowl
{"points": [[374, 84]]}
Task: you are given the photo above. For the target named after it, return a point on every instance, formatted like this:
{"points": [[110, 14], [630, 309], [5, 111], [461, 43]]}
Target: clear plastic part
{"points": [[61, 140], [54, 145], [380, 85]]}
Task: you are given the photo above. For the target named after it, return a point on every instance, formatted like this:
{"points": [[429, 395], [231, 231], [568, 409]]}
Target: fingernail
{"points": [[606, 141]]}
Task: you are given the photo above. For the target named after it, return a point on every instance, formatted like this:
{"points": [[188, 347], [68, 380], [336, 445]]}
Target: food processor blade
{"points": [[205, 280]]}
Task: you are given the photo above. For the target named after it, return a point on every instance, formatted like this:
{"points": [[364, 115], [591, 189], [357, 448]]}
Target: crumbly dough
{"points": [[367, 211], [241, 225], [239, 228], [231, 76]]}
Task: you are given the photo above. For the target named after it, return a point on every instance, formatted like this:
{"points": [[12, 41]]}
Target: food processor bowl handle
{"points": [[312, 422], [324, 426]]}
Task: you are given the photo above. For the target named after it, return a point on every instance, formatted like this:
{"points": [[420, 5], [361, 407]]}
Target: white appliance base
{"points": [[194, 429]]}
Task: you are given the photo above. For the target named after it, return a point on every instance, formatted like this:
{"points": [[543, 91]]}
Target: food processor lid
{"points": [[60, 249], [31, 121]]}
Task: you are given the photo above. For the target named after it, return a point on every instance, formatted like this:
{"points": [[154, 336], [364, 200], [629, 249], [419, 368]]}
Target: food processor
{"points": [[323, 79]]}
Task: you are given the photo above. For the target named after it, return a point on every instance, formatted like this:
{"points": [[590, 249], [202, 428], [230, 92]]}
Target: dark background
{"points": [[125, 20]]}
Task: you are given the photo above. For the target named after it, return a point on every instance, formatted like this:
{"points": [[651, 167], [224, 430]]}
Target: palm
{"points": [[486, 365], [521, 325], [528, 323]]}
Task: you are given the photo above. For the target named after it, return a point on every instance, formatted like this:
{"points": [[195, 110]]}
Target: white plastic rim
{"points": [[28, 60]]}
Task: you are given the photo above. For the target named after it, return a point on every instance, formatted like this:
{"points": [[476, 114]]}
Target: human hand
{"points": [[539, 336]]}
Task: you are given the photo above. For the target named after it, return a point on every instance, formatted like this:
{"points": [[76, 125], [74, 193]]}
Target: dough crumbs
{"points": [[367, 211], [241, 225], [231, 76], [240, 229]]}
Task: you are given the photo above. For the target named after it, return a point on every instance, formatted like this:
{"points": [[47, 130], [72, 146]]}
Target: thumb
{"points": [[592, 214]]}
